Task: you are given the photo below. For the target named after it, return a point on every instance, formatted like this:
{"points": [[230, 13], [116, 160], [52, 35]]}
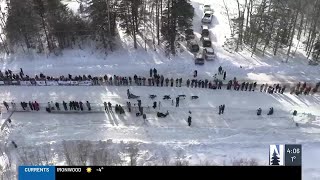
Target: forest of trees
{"points": [[274, 24], [48, 26]]}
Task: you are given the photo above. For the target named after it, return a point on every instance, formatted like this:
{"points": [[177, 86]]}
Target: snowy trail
{"points": [[117, 94], [282, 74], [239, 117]]}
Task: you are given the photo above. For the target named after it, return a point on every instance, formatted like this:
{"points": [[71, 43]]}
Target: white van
{"points": [[209, 53], [206, 42], [199, 57]]}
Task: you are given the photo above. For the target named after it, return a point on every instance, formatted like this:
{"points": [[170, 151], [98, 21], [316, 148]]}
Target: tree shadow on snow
{"points": [[284, 98], [309, 98]]}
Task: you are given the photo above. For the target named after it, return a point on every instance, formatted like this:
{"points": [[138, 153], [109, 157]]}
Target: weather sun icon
{"points": [[89, 170]]}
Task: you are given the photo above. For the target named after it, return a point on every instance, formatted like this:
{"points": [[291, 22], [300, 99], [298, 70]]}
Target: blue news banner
{"points": [[37, 173], [176, 172]]}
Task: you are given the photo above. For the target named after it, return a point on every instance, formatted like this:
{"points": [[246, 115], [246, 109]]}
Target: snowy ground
{"points": [[128, 61], [239, 133]]}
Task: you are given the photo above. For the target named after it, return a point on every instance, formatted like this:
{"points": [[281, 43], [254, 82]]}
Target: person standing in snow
{"points": [[77, 105], [81, 105], [177, 102], [22, 105], [246, 86], [129, 106], [65, 106], [242, 85], [279, 89], [6, 105], [57, 106], [105, 106], [154, 72], [30, 105], [250, 86], [254, 86], [130, 80], [139, 103], [222, 108], [14, 144], [261, 87], [154, 105], [140, 109], [195, 73], [219, 69], [162, 80], [36, 106], [151, 72], [224, 75], [283, 89], [167, 82], [116, 108], [189, 120], [70, 105], [110, 106], [144, 116], [128, 93]]}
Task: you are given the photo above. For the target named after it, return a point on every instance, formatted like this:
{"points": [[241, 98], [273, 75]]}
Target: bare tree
{"points": [[67, 153], [230, 24], [82, 152], [133, 154], [292, 32]]}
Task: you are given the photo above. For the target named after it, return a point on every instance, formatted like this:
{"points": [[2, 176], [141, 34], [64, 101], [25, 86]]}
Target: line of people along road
{"points": [[156, 79]]}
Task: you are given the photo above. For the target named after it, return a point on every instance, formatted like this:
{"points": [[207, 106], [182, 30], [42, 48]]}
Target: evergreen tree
{"points": [[275, 159], [103, 21], [130, 14], [177, 17], [22, 25]]}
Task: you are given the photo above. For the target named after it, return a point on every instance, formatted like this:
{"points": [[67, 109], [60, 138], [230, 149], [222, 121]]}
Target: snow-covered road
{"points": [[239, 133]]}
